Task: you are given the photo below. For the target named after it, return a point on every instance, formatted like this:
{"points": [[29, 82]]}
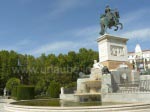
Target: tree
{"points": [[51, 59], [72, 59], [54, 89], [11, 83], [41, 71], [40, 87], [62, 60], [86, 59]]}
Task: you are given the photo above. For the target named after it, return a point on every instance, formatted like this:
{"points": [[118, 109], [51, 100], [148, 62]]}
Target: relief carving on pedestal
{"points": [[117, 51]]}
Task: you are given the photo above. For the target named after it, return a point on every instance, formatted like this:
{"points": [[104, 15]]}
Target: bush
{"points": [[11, 83], [71, 85], [40, 87], [14, 92], [25, 92], [53, 90]]}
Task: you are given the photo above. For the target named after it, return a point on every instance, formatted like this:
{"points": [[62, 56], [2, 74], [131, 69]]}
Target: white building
{"points": [[140, 58]]}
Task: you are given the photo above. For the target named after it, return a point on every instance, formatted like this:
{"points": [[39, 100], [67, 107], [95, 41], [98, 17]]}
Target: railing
{"points": [[145, 85], [147, 72], [132, 87]]}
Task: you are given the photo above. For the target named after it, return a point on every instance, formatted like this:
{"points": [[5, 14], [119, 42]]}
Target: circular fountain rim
{"points": [[14, 108]]}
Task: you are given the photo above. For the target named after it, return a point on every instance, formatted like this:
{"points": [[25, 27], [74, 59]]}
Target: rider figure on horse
{"points": [[107, 9], [109, 19], [110, 15]]}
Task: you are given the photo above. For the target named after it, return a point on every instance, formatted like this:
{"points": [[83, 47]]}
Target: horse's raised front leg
{"points": [[116, 28], [121, 25]]}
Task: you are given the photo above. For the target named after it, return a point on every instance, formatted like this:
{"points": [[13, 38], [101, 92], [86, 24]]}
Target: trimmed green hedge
{"points": [[14, 92], [53, 90], [25, 92]]}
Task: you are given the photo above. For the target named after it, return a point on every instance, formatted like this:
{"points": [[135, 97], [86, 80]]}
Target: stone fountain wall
{"points": [[106, 84]]}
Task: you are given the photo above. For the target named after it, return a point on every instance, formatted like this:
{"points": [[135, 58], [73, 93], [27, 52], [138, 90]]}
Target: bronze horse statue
{"points": [[109, 20]]}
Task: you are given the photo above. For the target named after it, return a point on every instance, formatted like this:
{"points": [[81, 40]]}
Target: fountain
{"points": [[90, 88], [93, 85]]}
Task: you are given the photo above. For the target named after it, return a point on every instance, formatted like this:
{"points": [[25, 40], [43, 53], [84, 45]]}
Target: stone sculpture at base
{"points": [[90, 88]]}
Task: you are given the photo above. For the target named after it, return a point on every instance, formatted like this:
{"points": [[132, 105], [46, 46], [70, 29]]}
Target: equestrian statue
{"points": [[109, 19]]}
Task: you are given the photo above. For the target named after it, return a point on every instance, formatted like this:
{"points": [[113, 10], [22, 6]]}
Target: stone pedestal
{"points": [[106, 84], [112, 51]]}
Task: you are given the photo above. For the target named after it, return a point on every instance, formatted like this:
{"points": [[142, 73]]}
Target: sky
{"points": [[58, 26]]}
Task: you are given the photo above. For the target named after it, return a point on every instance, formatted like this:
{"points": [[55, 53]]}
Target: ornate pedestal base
{"points": [[115, 64], [113, 51]]}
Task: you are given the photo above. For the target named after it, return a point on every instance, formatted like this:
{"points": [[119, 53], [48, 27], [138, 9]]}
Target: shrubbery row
{"points": [[23, 92]]}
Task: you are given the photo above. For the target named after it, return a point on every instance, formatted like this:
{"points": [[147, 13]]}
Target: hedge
{"points": [[53, 90], [14, 92], [25, 92]]}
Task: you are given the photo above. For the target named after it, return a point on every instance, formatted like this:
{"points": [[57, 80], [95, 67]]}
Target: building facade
{"points": [[140, 59]]}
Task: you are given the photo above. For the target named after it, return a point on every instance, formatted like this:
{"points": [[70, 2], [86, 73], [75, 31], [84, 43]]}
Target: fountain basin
{"points": [[88, 108], [93, 84]]}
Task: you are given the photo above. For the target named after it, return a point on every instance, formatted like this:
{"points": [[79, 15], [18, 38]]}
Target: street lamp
{"points": [[19, 65]]}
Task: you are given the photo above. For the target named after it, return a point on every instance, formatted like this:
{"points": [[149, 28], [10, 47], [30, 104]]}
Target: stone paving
{"points": [[1, 106], [3, 102]]}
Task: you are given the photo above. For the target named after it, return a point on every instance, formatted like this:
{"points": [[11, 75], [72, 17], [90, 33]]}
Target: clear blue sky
{"points": [[58, 26]]}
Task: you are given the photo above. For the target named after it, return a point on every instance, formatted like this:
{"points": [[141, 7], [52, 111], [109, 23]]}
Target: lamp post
{"points": [[22, 69], [19, 65]]}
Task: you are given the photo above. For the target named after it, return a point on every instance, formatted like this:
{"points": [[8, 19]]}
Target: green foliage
{"points": [[71, 85], [40, 71], [40, 87], [11, 83], [25, 92], [14, 92], [54, 90]]}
